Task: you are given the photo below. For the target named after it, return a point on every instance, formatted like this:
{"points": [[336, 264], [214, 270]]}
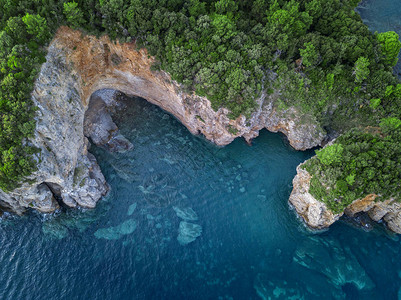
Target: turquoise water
{"points": [[187, 220]]}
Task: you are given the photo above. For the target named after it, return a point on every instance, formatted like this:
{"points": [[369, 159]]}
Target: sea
{"points": [[185, 219]]}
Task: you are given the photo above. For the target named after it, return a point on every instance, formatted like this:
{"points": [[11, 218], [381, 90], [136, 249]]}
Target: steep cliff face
{"points": [[315, 213], [65, 169], [317, 216], [77, 66], [102, 64], [389, 211]]}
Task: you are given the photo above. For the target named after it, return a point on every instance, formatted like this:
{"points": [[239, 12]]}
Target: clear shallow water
{"points": [[246, 243], [250, 244]]}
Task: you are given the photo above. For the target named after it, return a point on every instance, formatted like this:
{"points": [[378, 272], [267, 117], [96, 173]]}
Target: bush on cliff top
{"points": [[369, 164], [317, 53]]}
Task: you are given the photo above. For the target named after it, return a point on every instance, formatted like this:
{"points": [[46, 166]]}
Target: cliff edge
{"points": [[317, 215], [78, 66]]}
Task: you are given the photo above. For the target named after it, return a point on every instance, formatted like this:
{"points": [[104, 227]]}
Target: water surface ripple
{"points": [[187, 220]]}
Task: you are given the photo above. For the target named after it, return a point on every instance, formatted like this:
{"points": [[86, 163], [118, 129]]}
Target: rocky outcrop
{"points": [[317, 216], [76, 68], [389, 210], [102, 64], [315, 213], [99, 126], [63, 162]]}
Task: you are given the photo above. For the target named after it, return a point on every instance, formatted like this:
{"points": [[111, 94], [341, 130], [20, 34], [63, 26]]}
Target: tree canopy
{"points": [[314, 55]]}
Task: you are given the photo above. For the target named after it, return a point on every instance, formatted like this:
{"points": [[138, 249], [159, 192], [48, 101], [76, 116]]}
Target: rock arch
{"points": [[76, 67]]}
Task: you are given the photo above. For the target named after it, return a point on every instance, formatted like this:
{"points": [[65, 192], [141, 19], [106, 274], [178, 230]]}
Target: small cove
{"points": [[250, 243], [247, 242]]}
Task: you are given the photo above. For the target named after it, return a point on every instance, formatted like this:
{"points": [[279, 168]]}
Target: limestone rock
{"points": [[317, 216], [45, 200], [99, 126], [93, 61], [315, 213], [78, 67], [389, 210], [63, 160], [361, 205]]}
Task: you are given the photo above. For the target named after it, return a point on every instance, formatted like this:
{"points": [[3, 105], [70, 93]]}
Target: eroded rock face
{"points": [[317, 216], [63, 159], [389, 211], [315, 213], [99, 126], [77, 66]]}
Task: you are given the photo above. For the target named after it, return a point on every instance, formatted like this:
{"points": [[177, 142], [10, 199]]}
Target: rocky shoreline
{"points": [[317, 216], [74, 93], [76, 68]]}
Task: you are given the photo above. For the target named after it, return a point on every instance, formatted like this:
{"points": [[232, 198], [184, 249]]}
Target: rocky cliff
{"points": [[77, 67], [317, 216], [315, 213]]}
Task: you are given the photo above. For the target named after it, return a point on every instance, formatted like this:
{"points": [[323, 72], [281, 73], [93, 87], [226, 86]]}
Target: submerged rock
{"points": [[188, 232], [337, 263], [268, 288], [159, 190], [116, 232], [124, 170], [62, 92], [54, 230], [131, 209], [187, 214]]}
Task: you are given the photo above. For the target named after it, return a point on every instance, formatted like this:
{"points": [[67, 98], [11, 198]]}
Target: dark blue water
{"points": [[245, 243], [188, 220]]}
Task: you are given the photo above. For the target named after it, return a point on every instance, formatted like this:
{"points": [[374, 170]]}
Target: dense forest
{"points": [[317, 55]]}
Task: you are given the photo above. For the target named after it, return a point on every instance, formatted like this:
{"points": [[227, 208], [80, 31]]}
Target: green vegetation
{"points": [[390, 45], [21, 55], [74, 15], [330, 155], [368, 163], [361, 70], [315, 55]]}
